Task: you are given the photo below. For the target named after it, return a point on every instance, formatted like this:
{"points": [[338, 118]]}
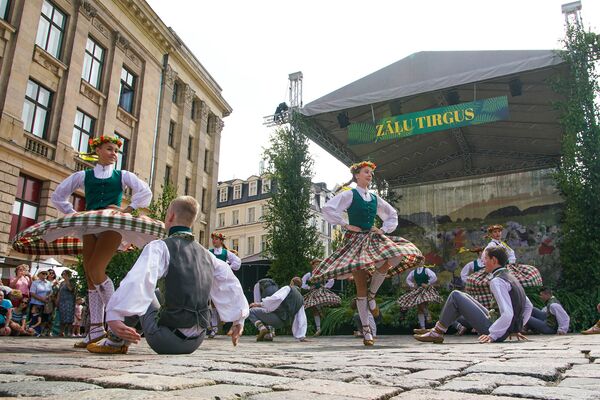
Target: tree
{"points": [[291, 240], [578, 176]]}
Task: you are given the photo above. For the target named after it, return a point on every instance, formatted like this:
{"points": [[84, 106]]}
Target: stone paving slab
{"points": [[109, 394], [535, 370], [42, 388], [168, 370], [581, 383], [424, 394], [150, 382], [73, 374], [434, 374], [322, 386], [219, 392], [298, 395], [584, 371], [547, 393], [6, 378], [241, 378]]}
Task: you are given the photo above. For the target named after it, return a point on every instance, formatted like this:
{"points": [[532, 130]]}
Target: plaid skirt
{"points": [[418, 296], [368, 251], [321, 297], [478, 284], [63, 236]]}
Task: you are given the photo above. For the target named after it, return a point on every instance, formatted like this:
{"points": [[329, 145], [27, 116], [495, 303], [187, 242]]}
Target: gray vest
{"points": [[518, 300], [187, 284], [290, 305]]}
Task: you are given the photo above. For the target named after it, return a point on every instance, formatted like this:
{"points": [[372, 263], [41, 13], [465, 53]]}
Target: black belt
{"points": [[180, 335]]}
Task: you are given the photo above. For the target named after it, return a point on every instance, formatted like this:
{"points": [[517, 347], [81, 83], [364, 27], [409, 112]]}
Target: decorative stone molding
{"points": [[126, 118], [92, 93], [46, 60], [102, 27], [219, 124], [121, 42], [170, 76], [87, 9], [39, 146], [6, 31], [203, 110], [189, 94]]}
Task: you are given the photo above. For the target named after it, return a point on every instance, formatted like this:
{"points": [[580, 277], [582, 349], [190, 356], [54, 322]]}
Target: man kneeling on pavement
{"points": [[192, 276], [515, 307]]}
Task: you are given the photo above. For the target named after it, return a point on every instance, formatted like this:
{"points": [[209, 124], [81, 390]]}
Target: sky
{"points": [[250, 47]]}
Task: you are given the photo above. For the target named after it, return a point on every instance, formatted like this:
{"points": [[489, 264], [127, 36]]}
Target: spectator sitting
{"points": [[5, 315], [19, 319], [35, 323]]}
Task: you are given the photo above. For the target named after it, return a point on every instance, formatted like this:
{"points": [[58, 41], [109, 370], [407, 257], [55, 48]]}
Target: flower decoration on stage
{"points": [[217, 235], [355, 168], [95, 142]]}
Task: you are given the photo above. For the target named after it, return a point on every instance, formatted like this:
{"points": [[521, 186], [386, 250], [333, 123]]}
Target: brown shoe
{"points": [[103, 348], [594, 330], [82, 344], [421, 331], [429, 338], [261, 334]]}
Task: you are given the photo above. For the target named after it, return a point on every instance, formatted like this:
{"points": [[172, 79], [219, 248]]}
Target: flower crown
{"points": [[355, 168], [217, 235], [95, 142]]}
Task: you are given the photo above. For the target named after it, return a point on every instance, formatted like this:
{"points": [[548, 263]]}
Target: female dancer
{"points": [[366, 248]]}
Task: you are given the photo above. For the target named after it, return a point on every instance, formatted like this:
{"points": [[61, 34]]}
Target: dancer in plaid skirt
{"points": [[421, 280], [473, 266], [103, 228], [319, 296], [478, 283], [366, 248]]}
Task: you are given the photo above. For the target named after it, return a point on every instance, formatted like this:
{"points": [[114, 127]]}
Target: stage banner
{"points": [[432, 120]]}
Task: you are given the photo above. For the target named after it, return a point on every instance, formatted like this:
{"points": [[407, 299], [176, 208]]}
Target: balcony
{"points": [[81, 165], [39, 146]]}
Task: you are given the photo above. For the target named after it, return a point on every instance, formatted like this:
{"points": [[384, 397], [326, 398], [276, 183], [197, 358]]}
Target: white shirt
{"points": [[334, 209], [328, 285], [410, 279], [141, 193], [136, 291], [562, 318], [468, 269], [512, 258], [271, 304], [500, 289], [234, 261]]}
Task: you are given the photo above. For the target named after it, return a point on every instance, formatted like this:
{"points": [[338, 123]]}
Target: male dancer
{"points": [[552, 318]]}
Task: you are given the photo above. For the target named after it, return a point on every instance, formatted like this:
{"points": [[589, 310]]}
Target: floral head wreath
{"points": [[95, 142], [355, 168], [217, 235], [493, 228]]}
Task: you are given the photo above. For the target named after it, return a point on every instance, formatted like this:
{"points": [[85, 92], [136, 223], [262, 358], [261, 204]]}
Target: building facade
{"points": [[241, 205], [75, 69]]}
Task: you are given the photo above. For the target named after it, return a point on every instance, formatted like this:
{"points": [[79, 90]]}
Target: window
{"points": [[175, 92], [252, 188], [4, 9], [186, 189], [204, 199], [36, 109], [92, 63], [222, 195], [122, 156], [51, 29], [235, 217], [235, 244], [190, 149], [193, 112], [206, 160], [78, 202], [263, 211], [127, 90], [171, 138], [167, 175], [250, 245], [221, 220], [266, 186], [237, 192], [263, 242], [201, 237], [82, 131], [26, 206], [324, 226], [251, 214]]}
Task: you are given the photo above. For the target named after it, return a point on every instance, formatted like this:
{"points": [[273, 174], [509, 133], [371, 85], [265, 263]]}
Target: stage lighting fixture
{"points": [[343, 119], [516, 87]]}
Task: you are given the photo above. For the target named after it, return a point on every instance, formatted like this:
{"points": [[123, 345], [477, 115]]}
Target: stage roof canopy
{"points": [[529, 139]]}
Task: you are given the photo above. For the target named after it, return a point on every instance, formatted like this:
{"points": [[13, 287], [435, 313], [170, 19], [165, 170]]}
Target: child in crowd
{"points": [[35, 323], [77, 319]]}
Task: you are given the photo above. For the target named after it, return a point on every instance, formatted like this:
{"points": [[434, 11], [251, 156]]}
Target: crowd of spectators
{"points": [[41, 305]]}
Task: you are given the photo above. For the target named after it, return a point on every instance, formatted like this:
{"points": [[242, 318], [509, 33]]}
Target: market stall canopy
{"points": [[527, 137]]}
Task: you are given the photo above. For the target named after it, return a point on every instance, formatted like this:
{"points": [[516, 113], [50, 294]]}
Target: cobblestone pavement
{"points": [[326, 368]]}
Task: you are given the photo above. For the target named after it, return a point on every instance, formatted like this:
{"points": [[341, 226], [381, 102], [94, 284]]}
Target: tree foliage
{"points": [[291, 240], [578, 176]]}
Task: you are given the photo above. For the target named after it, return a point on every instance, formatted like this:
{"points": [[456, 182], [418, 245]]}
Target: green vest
{"points": [[421, 278], [476, 266], [101, 193], [222, 256], [362, 213], [187, 284], [551, 318], [290, 306]]}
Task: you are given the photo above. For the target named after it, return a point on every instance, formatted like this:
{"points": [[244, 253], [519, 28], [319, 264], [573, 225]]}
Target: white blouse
{"points": [[234, 261], [328, 285], [141, 197], [512, 258], [410, 279], [271, 304], [136, 290], [334, 209], [500, 289]]}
